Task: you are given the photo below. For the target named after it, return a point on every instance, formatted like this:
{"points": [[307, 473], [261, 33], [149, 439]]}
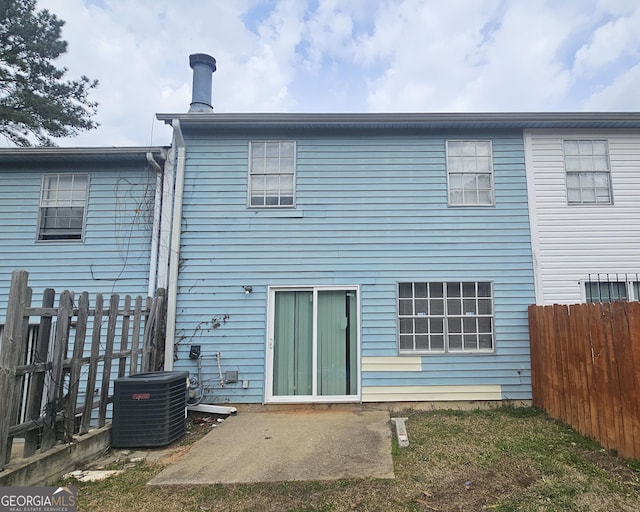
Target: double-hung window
{"points": [[272, 167], [63, 203], [586, 164], [438, 317], [470, 172]]}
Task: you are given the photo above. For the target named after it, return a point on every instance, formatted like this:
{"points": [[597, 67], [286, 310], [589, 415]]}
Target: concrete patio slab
{"points": [[287, 446]]}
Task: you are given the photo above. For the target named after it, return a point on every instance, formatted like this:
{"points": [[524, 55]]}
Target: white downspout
{"points": [[155, 235], [164, 243], [174, 256]]}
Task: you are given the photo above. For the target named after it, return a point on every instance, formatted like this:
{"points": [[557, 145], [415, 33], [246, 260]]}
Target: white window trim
{"points": [[490, 173], [84, 212], [293, 175], [446, 350], [566, 173]]}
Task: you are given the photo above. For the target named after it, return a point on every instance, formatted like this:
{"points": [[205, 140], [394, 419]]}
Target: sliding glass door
{"points": [[312, 350], [292, 347]]}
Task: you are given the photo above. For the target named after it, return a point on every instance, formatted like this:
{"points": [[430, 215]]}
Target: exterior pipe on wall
{"points": [[155, 235], [174, 256]]}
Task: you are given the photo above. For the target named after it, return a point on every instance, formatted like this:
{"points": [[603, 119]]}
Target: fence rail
{"points": [[584, 366], [44, 364]]}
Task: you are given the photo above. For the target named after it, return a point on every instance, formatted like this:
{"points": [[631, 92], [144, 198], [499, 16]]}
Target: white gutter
{"points": [[157, 207], [433, 120], [174, 253]]}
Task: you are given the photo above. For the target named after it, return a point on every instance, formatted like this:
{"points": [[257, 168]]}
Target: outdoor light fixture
{"points": [[247, 289]]}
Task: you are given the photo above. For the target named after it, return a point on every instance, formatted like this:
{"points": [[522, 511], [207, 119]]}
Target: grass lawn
{"points": [[506, 459]]}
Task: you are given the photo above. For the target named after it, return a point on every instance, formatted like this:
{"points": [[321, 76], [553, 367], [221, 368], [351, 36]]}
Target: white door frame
{"points": [[314, 397]]}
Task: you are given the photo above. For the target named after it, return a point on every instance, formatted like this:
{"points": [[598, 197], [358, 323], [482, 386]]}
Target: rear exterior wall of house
{"points": [[372, 217]]}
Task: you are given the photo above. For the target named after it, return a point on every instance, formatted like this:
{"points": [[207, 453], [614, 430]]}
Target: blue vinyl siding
{"points": [[112, 258], [371, 211]]}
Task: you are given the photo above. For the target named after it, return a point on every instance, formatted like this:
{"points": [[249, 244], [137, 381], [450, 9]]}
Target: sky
{"points": [[335, 56]]}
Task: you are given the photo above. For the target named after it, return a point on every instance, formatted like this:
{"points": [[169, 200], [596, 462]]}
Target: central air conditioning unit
{"points": [[149, 409]]}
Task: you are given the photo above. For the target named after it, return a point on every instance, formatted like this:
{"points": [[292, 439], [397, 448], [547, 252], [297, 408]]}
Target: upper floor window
{"points": [[470, 172], [586, 163], [445, 317], [272, 167], [63, 201]]}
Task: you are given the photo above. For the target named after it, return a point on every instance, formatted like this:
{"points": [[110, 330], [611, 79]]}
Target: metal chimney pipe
{"points": [[203, 66]]}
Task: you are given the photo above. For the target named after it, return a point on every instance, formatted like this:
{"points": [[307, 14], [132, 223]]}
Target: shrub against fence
{"points": [[41, 398], [585, 361]]}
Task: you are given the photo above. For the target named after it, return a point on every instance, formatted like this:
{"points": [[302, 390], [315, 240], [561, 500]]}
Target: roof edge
{"points": [[82, 151], [209, 117], [519, 120], [79, 155]]}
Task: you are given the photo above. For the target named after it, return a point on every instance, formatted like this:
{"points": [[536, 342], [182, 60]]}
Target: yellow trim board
{"points": [[430, 393], [392, 364]]}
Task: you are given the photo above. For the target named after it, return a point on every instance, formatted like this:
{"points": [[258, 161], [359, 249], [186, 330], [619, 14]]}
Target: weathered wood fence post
{"points": [[76, 365], [108, 357], [10, 353], [93, 365], [34, 401], [56, 385], [135, 339]]}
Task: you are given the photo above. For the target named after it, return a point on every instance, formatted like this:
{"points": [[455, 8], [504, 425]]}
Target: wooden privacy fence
{"points": [[41, 397], [585, 369]]}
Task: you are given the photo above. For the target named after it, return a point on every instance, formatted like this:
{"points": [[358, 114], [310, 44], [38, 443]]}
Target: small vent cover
{"points": [[149, 409]]}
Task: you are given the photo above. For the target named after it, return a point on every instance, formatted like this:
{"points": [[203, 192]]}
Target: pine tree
{"points": [[36, 101]]}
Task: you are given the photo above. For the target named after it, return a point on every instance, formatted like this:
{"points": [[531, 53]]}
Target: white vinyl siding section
{"points": [[571, 242]]}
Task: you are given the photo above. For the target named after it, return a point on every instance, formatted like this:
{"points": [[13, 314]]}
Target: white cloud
{"points": [[329, 32], [623, 94], [431, 53], [361, 55], [492, 57], [610, 42], [522, 69], [263, 78]]}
